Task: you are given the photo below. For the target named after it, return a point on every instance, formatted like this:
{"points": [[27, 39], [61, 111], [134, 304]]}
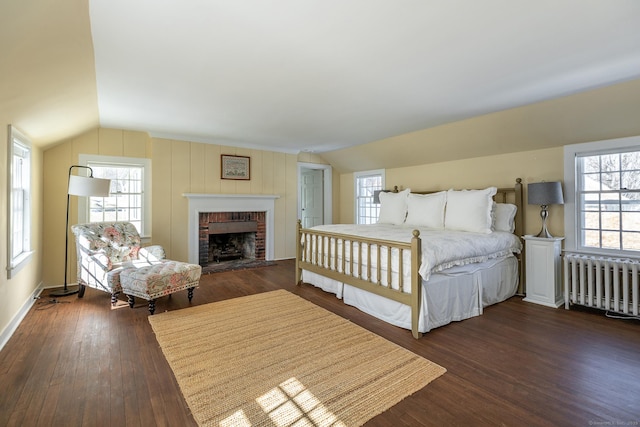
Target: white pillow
{"points": [[426, 210], [393, 207], [504, 217], [469, 210]]}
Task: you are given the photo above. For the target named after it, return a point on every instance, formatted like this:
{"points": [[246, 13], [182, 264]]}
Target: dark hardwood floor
{"points": [[82, 363]]}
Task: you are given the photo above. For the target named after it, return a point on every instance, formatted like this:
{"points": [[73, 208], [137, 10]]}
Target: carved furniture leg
{"points": [[190, 293], [131, 299], [152, 306]]}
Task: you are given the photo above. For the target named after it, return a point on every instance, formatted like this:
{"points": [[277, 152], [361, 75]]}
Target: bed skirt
{"points": [[452, 295]]}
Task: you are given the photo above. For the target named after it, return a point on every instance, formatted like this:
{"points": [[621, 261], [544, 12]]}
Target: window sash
{"points": [[366, 183], [126, 194], [84, 204], [608, 200], [19, 202]]}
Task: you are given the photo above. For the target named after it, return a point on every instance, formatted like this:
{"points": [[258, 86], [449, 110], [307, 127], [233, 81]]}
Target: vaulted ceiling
{"points": [[302, 75]]}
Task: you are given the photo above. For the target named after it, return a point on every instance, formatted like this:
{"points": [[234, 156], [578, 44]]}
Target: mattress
{"points": [[441, 250]]}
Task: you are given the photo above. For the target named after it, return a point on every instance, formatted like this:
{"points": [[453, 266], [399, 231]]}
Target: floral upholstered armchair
{"points": [[105, 249]]}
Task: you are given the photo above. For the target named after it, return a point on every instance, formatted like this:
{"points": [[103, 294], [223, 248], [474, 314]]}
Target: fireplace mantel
{"points": [[202, 202]]}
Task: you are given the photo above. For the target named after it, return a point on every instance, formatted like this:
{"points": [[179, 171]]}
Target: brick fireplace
{"points": [[231, 209], [231, 235]]}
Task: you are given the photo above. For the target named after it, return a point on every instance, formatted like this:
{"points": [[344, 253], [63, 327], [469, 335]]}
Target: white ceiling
{"points": [[317, 75]]}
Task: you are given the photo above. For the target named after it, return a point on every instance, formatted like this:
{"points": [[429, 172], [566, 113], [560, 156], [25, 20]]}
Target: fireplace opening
{"points": [[232, 240], [231, 246]]}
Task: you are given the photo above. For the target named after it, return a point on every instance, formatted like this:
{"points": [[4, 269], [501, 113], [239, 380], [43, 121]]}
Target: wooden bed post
{"points": [[519, 231], [416, 283], [298, 252]]}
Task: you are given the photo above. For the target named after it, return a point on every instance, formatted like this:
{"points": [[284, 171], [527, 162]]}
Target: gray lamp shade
{"points": [[545, 193], [88, 186]]}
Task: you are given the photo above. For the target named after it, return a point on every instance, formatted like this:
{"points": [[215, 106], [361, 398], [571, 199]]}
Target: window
{"points": [[605, 217], [130, 192], [19, 181], [608, 190], [366, 183]]}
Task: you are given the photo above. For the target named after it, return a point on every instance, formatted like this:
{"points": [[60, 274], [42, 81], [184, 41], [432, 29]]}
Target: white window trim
{"points": [[570, 214], [85, 159], [357, 175], [15, 264]]}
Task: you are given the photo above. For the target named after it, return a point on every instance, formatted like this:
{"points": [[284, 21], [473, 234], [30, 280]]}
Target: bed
{"points": [[432, 258]]}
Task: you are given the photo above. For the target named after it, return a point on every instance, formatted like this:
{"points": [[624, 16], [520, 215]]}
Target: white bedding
{"points": [[462, 272], [451, 295], [440, 249]]}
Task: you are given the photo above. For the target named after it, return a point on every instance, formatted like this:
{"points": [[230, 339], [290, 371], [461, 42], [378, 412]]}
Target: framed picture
{"points": [[235, 167]]}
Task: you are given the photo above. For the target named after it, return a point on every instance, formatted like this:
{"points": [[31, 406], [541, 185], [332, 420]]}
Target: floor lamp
{"points": [[85, 186]]}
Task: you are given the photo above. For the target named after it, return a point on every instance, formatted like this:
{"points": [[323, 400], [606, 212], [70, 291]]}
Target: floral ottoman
{"points": [[163, 278]]}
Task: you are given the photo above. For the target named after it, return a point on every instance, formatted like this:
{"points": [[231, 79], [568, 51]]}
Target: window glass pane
{"points": [[591, 164], [631, 241], [590, 202], [630, 180], [610, 221], [591, 182], [610, 240], [630, 202], [109, 216], [591, 238], [610, 202], [610, 162], [135, 201], [591, 220], [630, 221], [135, 214]]}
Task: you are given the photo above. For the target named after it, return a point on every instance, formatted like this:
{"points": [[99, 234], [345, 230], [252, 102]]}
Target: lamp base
{"points": [[544, 233], [69, 290]]}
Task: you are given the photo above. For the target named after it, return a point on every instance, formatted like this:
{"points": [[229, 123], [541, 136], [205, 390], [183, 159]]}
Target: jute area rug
{"points": [[275, 359]]}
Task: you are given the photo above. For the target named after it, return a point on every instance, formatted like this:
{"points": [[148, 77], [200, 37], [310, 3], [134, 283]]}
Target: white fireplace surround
{"points": [[204, 203]]}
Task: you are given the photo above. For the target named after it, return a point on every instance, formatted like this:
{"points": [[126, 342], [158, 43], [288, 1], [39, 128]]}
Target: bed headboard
{"points": [[513, 195]]}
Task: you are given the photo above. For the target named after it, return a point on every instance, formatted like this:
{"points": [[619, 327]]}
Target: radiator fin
{"points": [[602, 282]]}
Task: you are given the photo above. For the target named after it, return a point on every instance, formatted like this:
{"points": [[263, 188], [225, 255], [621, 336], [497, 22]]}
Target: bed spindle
{"points": [[378, 252], [389, 267]]}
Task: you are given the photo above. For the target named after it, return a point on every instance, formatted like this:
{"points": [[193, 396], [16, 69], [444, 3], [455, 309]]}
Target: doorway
{"points": [[314, 194]]}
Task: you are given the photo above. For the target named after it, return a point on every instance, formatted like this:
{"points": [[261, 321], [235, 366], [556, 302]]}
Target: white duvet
{"points": [[441, 249]]}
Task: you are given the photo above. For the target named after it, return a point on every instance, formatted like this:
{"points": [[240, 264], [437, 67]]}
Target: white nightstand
{"points": [[544, 270]]}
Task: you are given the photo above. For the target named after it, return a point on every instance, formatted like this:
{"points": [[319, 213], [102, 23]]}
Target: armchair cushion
{"points": [[105, 249], [151, 253]]}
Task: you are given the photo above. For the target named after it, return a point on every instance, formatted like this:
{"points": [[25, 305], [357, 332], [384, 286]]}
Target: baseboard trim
{"points": [[17, 319]]}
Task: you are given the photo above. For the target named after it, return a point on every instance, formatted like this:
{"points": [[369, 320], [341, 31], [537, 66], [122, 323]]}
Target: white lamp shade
{"points": [[87, 186]]}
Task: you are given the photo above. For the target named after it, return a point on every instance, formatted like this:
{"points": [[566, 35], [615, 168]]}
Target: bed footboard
{"points": [[376, 266]]}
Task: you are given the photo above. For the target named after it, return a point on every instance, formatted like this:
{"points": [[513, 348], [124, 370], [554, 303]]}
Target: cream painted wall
{"points": [[48, 91], [56, 164], [15, 293], [481, 172], [177, 167], [188, 167], [603, 113], [48, 80]]}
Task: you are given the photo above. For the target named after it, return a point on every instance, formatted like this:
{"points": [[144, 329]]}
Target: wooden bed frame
{"points": [[326, 246]]}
